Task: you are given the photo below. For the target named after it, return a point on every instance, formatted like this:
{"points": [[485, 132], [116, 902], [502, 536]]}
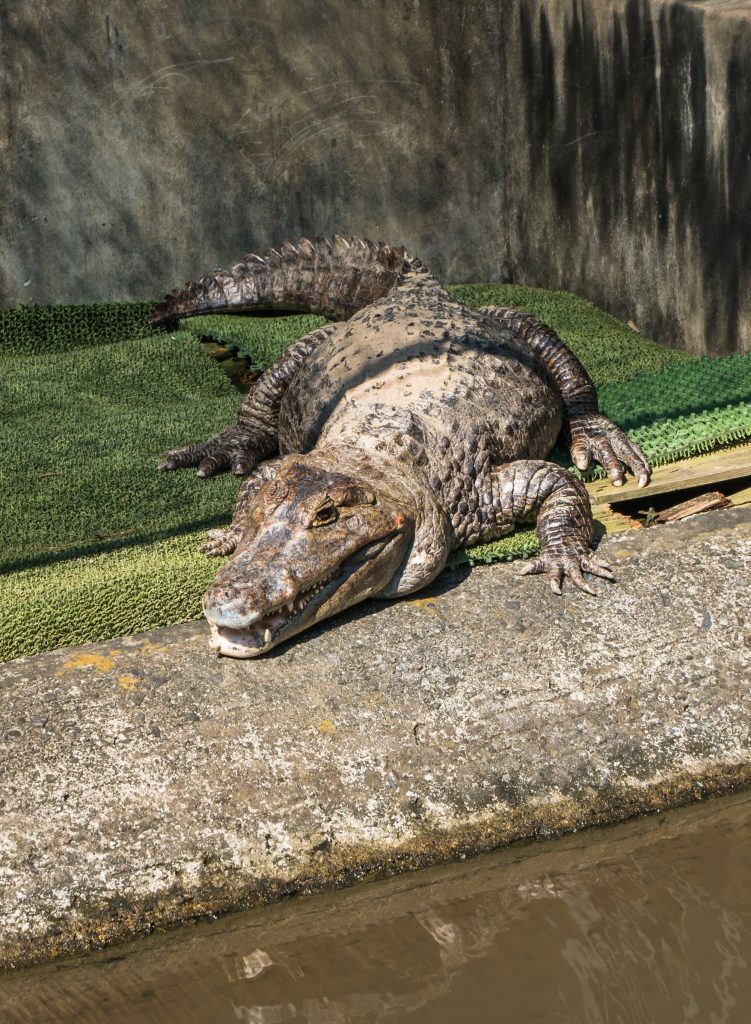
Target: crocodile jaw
{"points": [[366, 573], [262, 633]]}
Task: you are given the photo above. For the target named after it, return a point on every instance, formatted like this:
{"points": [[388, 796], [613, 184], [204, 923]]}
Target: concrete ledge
{"points": [[143, 782]]}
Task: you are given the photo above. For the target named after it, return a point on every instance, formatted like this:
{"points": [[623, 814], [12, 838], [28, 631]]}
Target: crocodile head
{"points": [[316, 541]]}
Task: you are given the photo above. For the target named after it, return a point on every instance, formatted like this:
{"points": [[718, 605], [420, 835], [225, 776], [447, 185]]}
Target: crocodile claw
{"points": [[569, 566], [231, 449], [595, 438], [221, 542]]}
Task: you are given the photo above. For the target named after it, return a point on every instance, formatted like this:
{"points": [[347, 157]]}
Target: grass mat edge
{"points": [[114, 593]]}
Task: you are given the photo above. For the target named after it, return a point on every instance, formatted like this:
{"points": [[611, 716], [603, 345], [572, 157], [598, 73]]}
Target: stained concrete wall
{"points": [[598, 146], [628, 168]]}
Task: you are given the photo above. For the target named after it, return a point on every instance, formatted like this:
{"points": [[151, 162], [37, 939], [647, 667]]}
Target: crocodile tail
{"points": [[332, 278]]}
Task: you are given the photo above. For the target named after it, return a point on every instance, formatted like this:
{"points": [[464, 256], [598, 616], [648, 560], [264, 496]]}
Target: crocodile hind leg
{"points": [[254, 436], [589, 434], [532, 489]]}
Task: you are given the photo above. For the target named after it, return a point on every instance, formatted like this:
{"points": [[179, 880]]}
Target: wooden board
{"points": [[741, 497], [727, 464], [612, 521]]}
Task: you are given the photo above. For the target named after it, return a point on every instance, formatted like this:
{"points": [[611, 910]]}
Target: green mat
{"points": [[102, 544], [86, 430], [37, 330]]}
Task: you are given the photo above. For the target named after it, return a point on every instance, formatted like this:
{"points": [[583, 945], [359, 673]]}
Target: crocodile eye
{"points": [[325, 515]]}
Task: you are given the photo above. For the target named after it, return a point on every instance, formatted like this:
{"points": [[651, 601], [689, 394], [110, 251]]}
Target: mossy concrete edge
{"points": [[369, 863]]}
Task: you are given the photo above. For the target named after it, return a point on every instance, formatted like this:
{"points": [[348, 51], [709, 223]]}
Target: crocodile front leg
{"points": [[254, 436], [224, 542], [590, 435], [529, 489]]}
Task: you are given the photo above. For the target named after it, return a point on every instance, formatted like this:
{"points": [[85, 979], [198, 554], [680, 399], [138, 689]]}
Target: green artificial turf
{"points": [[96, 597], [85, 434], [687, 409], [37, 330], [261, 340], [101, 544]]}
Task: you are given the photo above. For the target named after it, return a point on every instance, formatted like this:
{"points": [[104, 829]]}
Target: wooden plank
{"points": [[741, 497], [727, 464], [701, 503], [612, 521]]}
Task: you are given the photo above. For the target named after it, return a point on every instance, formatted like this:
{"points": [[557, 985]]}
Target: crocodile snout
{"points": [[240, 604], [226, 606]]}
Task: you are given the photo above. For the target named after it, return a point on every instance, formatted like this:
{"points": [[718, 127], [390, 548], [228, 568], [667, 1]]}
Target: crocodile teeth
{"points": [[297, 603], [267, 636]]}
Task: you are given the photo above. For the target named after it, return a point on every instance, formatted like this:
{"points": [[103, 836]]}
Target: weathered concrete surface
{"points": [[597, 145], [145, 781]]}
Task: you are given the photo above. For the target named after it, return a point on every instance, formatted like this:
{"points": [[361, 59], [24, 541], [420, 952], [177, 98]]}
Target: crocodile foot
{"points": [[232, 448], [571, 565], [221, 542], [593, 437]]}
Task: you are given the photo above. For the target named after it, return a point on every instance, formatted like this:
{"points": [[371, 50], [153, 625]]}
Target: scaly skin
{"points": [[376, 446]]}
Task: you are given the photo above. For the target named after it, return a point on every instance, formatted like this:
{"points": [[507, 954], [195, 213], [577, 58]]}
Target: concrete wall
{"points": [[146, 141], [591, 145], [628, 167]]}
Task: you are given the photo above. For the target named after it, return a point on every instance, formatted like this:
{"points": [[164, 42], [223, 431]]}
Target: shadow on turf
{"points": [[106, 545]]}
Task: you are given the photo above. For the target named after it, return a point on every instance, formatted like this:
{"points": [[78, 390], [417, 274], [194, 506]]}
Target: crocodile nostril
{"points": [[223, 595]]}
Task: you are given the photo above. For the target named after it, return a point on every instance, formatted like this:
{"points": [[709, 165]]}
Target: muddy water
{"points": [[645, 922]]}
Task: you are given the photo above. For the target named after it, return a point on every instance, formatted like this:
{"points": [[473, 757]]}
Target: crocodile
{"points": [[406, 428]]}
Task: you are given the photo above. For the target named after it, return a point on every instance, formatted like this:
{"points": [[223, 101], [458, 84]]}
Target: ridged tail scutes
{"points": [[332, 278]]}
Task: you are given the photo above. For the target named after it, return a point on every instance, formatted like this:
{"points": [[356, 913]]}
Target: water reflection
{"points": [[647, 922]]}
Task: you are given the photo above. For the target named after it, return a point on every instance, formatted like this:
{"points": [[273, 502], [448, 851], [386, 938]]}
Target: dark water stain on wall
{"points": [[631, 166]]}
